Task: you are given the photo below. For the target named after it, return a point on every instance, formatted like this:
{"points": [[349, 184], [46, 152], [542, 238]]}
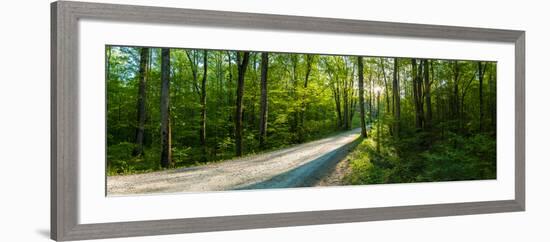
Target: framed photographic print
{"points": [[168, 120]]}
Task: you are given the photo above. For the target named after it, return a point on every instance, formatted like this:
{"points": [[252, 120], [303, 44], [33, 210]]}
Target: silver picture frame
{"points": [[65, 16]]}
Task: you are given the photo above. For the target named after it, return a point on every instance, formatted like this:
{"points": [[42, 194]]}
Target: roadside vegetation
{"points": [[430, 120]]}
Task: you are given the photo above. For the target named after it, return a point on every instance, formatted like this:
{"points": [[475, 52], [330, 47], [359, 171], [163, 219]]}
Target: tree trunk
{"points": [[417, 71], [481, 73], [396, 97], [141, 102], [241, 67], [203, 107], [455, 98], [309, 61], [371, 97], [361, 97], [378, 130], [427, 95], [338, 108], [387, 89], [220, 104], [414, 72], [166, 141], [346, 110], [263, 100], [230, 85]]}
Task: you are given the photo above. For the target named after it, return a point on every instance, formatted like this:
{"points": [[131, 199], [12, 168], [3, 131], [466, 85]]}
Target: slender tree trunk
{"points": [[396, 97], [338, 105], [427, 95], [166, 141], [361, 97], [456, 99], [263, 100], [309, 60], [203, 107], [346, 110], [142, 98], [420, 92], [414, 70], [378, 130], [219, 106], [251, 116], [230, 101], [481, 73], [293, 121], [417, 73], [389, 105], [371, 97], [241, 66], [387, 89]]}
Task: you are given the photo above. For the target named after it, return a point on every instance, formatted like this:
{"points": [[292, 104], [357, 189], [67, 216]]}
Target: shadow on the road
{"points": [[308, 174]]}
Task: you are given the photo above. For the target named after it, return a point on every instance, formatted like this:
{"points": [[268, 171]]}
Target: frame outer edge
{"points": [[53, 122], [64, 119], [520, 120], [199, 17], [258, 221]]}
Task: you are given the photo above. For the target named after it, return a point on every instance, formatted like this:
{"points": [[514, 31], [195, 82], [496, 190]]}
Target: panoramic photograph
{"points": [[197, 120]]}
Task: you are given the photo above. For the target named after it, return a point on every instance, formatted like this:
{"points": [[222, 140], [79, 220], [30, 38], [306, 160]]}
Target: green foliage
{"points": [[120, 152], [460, 144], [180, 154], [461, 158], [422, 157], [121, 161], [362, 164], [298, 112]]}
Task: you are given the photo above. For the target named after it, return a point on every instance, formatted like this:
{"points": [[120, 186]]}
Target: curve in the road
{"points": [[295, 166]]}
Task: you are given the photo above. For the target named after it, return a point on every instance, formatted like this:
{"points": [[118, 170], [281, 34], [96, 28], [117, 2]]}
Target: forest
{"points": [[417, 119]]}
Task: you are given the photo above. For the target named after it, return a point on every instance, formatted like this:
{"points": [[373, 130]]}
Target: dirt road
{"points": [[296, 166]]}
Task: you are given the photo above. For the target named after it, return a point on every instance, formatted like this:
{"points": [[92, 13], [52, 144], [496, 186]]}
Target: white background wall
{"points": [[24, 123]]}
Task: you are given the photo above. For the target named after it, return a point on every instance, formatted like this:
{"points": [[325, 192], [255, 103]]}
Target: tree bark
{"points": [[338, 107], [427, 95], [346, 109], [263, 100], [417, 71], [230, 84], [387, 89], [378, 130], [481, 73], [455, 98], [396, 97], [166, 138], [371, 97], [361, 97], [309, 61], [241, 66], [141, 102], [203, 107]]}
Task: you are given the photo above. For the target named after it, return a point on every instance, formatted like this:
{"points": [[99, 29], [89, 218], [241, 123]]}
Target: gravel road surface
{"points": [[301, 165]]}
